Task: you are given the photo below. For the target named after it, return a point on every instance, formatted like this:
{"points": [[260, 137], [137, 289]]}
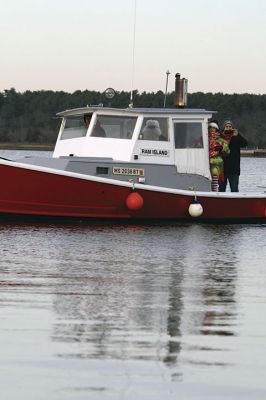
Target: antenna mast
{"points": [[133, 54], [166, 87]]}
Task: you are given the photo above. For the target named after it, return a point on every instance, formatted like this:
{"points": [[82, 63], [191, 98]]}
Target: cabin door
{"points": [[191, 147]]}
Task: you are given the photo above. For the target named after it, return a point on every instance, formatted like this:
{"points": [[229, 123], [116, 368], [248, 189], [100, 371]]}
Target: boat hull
{"points": [[33, 192]]}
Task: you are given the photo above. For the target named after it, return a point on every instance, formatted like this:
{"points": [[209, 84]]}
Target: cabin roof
{"points": [[133, 111]]}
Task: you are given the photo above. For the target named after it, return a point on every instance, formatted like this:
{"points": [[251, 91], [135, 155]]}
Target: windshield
{"points": [[154, 129], [74, 128], [114, 127]]}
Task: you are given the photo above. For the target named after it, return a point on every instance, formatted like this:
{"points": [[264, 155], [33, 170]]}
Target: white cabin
{"points": [[152, 136]]}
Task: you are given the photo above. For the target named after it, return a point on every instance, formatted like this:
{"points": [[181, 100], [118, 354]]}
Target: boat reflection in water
{"points": [[124, 311], [142, 308]]}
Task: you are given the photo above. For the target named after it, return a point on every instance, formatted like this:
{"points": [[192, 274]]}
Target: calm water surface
{"points": [[101, 311]]}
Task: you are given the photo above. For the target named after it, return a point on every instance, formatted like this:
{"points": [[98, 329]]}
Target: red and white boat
{"points": [[131, 164]]}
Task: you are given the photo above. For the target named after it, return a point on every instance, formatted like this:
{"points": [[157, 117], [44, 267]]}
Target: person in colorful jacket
{"points": [[232, 162], [218, 150]]}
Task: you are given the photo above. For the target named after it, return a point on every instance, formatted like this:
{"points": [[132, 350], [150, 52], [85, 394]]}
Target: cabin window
{"points": [[102, 170], [114, 127], [74, 127], [154, 129], [188, 135]]}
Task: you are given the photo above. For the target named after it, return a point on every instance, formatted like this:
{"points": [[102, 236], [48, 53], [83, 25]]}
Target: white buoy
{"points": [[195, 209]]}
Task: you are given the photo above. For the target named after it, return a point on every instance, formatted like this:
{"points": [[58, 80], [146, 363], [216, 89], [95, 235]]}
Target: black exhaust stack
{"points": [[180, 91]]}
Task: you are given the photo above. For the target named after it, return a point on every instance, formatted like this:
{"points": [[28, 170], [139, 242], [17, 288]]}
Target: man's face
{"points": [[228, 127]]}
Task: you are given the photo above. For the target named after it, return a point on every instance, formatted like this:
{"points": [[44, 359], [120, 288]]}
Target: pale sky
{"points": [[218, 45]]}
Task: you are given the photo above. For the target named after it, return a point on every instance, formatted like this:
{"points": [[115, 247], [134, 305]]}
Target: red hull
{"points": [[30, 192]]}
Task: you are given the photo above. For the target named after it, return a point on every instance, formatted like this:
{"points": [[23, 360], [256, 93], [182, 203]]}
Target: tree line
{"points": [[31, 116]]}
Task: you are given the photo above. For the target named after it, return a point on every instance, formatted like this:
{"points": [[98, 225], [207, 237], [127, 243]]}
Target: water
{"points": [[101, 311]]}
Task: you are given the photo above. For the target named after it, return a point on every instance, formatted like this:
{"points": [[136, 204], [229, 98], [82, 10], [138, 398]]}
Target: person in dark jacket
{"points": [[231, 171]]}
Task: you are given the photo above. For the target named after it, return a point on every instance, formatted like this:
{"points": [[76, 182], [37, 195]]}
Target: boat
{"points": [[133, 164]]}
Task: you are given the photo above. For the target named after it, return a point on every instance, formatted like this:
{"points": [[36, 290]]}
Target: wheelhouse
{"points": [[154, 136]]}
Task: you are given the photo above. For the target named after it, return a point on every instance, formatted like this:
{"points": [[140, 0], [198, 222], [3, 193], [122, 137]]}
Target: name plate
{"points": [[154, 152], [128, 171]]}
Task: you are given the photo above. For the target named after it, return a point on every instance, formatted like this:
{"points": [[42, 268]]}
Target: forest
{"points": [[30, 117]]}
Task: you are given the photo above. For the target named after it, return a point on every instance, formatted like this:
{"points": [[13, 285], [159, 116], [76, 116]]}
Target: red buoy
{"points": [[134, 201]]}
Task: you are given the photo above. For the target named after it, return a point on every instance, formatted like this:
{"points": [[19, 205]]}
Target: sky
{"points": [[218, 45]]}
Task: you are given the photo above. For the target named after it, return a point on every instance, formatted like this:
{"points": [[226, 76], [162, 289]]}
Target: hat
{"points": [[227, 121], [213, 125]]}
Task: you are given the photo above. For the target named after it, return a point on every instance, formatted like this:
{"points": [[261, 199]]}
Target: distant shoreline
{"points": [[50, 147], [253, 153], [27, 146]]}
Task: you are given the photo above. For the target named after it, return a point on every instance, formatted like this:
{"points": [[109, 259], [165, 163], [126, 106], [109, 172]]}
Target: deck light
{"points": [[109, 93]]}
